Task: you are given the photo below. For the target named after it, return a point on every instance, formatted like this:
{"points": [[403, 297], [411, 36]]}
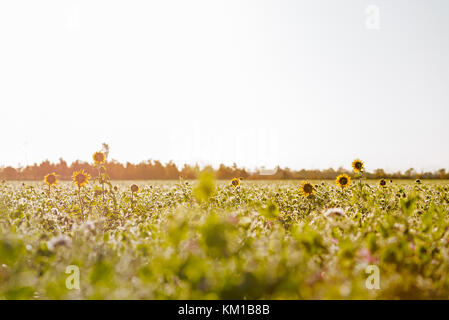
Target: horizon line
{"points": [[201, 165]]}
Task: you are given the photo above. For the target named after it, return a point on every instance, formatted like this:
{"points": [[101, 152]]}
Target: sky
{"points": [[303, 84]]}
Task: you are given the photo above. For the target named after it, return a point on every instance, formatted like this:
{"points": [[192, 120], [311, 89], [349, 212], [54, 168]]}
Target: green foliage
{"points": [[205, 188], [270, 210], [264, 240]]}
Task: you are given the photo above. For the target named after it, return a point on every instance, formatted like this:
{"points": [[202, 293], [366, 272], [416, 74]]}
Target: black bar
{"points": [[224, 309]]}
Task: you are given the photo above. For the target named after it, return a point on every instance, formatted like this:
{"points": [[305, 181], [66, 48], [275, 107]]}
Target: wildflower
{"points": [[98, 192], [382, 183], [99, 157], [51, 179], [89, 225], [80, 178], [59, 241], [418, 181], [357, 165], [134, 188], [365, 255], [306, 189], [235, 182], [334, 212], [343, 180]]}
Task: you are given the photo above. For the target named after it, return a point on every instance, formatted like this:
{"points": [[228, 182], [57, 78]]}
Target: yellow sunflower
{"points": [[80, 178], [382, 183], [51, 179], [343, 180], [99, 157], [306, 188], [358, 165], [235, 182]]}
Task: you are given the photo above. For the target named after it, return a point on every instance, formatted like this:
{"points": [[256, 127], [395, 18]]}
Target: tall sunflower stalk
{"points": [[51, 180], [343, 181], [359, 167], [307, 191], [80, 179], [383, 186], [99, 161], [134, 189]]}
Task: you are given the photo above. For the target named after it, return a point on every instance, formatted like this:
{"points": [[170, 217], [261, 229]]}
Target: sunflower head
{"points": [[306, 188], [51, 179], [99, 157], [343, 180], [134, 188], [235, 182], [382, 183], [80, 178], [358, 165]]}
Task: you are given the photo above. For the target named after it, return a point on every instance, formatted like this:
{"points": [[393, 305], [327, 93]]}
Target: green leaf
{"points": [[270, 210]]}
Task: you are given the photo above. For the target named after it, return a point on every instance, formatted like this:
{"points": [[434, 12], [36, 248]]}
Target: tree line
{"points": [[155, 170]]}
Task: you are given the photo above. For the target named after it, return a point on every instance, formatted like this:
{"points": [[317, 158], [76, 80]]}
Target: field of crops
{"points": [[213, 240]]}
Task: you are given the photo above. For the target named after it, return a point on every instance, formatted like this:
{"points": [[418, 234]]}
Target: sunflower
{"points": [[358, 165], [306, 189], [134, 188], [99, 157], [343, 180], [80, 178], [51, 179], [235, 182], [382, 183]]}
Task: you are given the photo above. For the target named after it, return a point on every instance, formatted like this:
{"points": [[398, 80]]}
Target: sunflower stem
{"points": [[132, 200], [102, 184], [81, 202]]}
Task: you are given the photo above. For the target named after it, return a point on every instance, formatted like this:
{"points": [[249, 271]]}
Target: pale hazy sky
{"points": [[300, 83]]}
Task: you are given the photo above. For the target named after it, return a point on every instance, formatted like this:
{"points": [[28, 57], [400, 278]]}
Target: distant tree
{"points": [[410, 173], [379, 173], [171, 171], [188, 172], [225, 172], [9, 173], [116, 170], [153, 169]]}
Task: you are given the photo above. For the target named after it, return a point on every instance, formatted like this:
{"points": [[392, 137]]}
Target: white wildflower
{"points": [[334, 212], [59, 241]]}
